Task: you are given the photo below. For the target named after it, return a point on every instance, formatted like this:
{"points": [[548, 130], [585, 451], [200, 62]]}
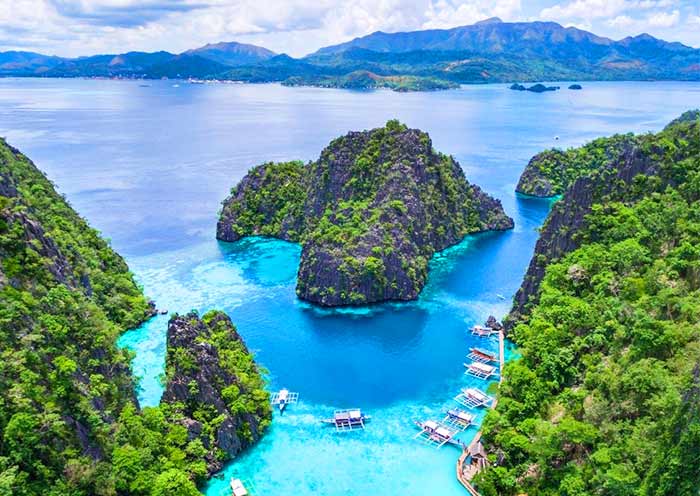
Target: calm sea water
{"points": [[149, 166]]}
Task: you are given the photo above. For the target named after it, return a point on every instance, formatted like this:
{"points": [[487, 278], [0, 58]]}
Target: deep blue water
{"points": [[149, 166]]}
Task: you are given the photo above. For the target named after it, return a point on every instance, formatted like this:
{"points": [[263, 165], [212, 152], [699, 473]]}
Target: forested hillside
{"points": [[605, 397], [69, 420]]}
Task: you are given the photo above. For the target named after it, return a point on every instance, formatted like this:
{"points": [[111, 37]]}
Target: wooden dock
{"points": [[465, 473]]}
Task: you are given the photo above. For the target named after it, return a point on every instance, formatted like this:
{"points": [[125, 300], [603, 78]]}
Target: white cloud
{"points": [[595, 9], [584, 9], [446, 14], [664, 19], [621, 21]]}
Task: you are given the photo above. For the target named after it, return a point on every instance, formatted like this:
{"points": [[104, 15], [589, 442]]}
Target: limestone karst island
{"points": [[349, 248]]}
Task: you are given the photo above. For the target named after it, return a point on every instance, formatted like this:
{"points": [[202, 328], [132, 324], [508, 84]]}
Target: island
{"points": [[575, 87], [213, 387], [609, 374], [69, 416], [535, 88], [369, 80], [369, 214]]}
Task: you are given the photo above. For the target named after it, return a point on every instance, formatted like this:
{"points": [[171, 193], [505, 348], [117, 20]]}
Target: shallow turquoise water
{"points": [[149, 167], [379, 358]]}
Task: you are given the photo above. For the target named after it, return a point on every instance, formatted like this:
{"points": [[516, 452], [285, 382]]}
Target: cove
{"points": [[149, 166]]}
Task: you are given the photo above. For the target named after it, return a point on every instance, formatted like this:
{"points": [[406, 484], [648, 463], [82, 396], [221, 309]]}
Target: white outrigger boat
{"points": [[347, 420], [473, 398], [480, 370], [483, 331], [437, 434], [481, 355], [238, 488], [284, 397], [458, 418]]}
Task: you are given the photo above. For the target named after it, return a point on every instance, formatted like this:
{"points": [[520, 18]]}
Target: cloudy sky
{"points": [[297, 27]]}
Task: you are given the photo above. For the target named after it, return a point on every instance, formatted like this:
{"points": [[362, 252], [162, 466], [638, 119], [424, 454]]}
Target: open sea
{"points": [[148, 164]]}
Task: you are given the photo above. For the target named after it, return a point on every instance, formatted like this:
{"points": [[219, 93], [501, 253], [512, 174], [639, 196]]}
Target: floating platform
{"points": [[347, 420], [480, 370], [458, 418], [284, 397], [481, 355], [437, 434], [473, 398], [483, 331]]}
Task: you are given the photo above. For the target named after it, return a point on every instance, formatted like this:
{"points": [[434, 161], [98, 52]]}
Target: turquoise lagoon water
{"points": [[149, 166]]}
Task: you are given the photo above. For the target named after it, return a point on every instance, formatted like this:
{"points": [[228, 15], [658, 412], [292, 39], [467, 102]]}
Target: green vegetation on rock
{"points": [[552, 172], [69, 420], [369, 213], [214, 389], [605, 398]]}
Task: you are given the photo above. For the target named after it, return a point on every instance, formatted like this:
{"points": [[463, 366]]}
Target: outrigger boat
{"points": [[481, 355], [436, 433], [458, 418], [347, 420], [473, 398], [237, 488], [284, 398], [480, 370], [483, 331]]}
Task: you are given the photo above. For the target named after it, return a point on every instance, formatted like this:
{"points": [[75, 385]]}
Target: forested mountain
{"points": [[233, 53], [604, 399], [200, 62], [26, 63]]}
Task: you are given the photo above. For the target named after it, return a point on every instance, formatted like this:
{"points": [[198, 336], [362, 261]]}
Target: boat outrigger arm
{"points": [[437, 434], [481, 355], [284, 397], [347, 420], [473, 398], [480, 370]]}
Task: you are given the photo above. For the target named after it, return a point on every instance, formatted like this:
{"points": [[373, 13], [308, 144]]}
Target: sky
{"points": [[298, 27]]}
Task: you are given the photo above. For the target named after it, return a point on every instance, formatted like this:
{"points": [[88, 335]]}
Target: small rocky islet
{"points": [[535, 88], [369, 214], [213, 387]]}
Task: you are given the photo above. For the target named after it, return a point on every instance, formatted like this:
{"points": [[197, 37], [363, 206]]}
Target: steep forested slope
{"points": [[69, 420], [605, 397]]}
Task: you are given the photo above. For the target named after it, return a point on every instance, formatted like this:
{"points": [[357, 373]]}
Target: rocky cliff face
{"points": [[620, 168], [369, 213], [213, 386]]}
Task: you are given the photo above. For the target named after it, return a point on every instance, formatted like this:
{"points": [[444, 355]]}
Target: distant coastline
{"points": [[490, 51]]}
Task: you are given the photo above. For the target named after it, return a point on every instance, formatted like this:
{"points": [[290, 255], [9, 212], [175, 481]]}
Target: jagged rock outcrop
{"points": [[493, 323], [369, 213], [615, 172], [213, 386]]}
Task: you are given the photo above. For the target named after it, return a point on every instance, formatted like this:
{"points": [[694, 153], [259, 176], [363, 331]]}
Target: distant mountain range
{"points": [[206, 61], [488, 51]]}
